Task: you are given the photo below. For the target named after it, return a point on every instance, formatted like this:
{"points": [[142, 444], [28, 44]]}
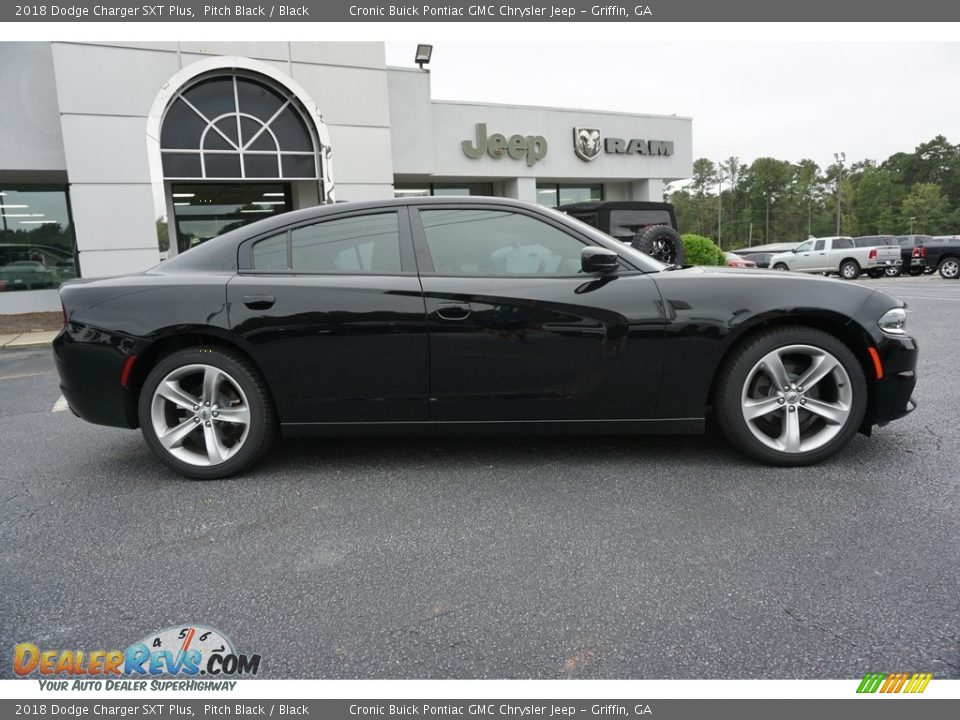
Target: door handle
{"points": [[259, 302], [453, 311]]}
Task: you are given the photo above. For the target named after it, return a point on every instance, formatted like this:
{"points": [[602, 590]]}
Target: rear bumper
{"points": [[90, 363], [874, 264]]}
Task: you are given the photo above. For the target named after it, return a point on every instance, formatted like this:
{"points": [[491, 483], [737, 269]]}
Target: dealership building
{"points": [[115, 155]]}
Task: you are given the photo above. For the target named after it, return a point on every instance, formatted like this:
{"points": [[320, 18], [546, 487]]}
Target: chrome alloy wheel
{"points": [[950, 269], [796, 399], [200, 415]]}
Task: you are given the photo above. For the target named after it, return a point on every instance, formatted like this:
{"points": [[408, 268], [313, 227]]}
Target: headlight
{"points": [[893, 321]]}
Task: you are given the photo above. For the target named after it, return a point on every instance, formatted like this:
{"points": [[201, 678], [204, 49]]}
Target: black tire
{"points": [[661, 242], [949, 268], [916, 272], [245, 383], [893, 271], [780, 266], [875, 274], [849, 270], [738, 378]]}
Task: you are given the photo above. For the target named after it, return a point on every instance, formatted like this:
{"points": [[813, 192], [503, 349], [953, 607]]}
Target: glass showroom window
{"points": [[553, 194], [36, 238], [234, 127], [442, 189]]}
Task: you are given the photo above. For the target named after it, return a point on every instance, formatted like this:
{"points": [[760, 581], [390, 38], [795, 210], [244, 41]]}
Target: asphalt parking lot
{"points": [[520, 558]]}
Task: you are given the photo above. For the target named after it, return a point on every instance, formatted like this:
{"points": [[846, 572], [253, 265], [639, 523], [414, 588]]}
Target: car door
{"points": [[332, 312], [519, 333], [819, 259]]}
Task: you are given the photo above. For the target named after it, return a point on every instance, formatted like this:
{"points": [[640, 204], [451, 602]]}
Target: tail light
{"points": [[873, 254], [919, 252]]}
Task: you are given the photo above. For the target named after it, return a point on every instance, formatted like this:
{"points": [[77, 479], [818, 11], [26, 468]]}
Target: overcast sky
{"points": [[789, 100]]}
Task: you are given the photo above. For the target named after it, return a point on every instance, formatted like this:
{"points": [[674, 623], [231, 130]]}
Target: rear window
{"points": [[624, 224]]}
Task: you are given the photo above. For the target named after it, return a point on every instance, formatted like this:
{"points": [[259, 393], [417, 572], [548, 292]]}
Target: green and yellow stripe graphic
{"points": [[894, 682]]}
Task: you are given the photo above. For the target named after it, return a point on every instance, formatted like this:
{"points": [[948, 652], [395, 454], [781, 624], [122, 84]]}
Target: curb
{"points": [[18, 341]]}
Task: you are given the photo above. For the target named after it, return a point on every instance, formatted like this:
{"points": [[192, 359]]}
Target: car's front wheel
{"points": [[780, 266], [791, 396], [206, 412], [892, 271]]}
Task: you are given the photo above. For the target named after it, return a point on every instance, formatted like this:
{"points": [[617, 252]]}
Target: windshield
{"points": [[641, 260]]}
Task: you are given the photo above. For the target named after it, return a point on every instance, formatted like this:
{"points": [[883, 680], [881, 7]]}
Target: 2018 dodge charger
{"points": [[452, 315]]}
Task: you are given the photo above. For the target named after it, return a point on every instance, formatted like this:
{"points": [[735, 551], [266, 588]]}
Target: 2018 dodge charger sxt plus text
{"points": [[445, 315]]}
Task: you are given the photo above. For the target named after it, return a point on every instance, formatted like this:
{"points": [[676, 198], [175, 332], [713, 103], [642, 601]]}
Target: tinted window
{"points": [[366, 243], [271, 254], [819, 245], [841, 244], [493, 242]]}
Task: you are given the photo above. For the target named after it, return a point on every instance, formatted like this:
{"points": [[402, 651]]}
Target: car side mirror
{"points": [[794, 251], [595, 259]]}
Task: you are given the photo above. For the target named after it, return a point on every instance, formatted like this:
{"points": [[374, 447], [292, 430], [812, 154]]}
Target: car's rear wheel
{"points": [[206, 412], [849, 270], [791, 396], [949, 268], [780, 266]]}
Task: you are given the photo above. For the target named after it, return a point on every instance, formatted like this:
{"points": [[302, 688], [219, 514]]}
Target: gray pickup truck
{"points": [[837, 255]]}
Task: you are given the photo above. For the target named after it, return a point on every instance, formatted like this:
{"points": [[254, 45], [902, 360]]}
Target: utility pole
{"points": [[840, 158]]}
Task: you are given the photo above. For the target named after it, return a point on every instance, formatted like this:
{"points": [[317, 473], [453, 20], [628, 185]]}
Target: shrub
{"points": [[702, 251]]}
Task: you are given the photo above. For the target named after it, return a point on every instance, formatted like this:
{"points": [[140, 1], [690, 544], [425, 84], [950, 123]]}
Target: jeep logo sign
{"points": [[586, 144], [529, 147]]}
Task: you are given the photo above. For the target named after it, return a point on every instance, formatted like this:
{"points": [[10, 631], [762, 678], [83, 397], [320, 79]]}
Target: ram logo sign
{"points": [[587, 144]]}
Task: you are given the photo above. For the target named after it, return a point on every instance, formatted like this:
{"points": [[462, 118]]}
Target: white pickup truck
{"points": [[837, 255]]}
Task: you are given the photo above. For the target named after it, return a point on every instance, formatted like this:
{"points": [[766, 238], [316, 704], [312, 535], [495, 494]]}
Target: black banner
{"points": [[560, 11]]}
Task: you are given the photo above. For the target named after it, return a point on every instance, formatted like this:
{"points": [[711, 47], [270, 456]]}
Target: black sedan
{"points": [[479, 315]]}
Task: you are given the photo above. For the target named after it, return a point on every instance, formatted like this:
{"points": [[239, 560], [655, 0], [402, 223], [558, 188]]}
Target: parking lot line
{"points": [[60, 405]]}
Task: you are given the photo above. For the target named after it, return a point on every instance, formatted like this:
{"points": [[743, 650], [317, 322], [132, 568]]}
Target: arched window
{"points": [[230, 127]]}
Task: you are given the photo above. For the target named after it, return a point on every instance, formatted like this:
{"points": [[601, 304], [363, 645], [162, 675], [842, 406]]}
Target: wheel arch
{"points": [[849, 333], [179, 338]]}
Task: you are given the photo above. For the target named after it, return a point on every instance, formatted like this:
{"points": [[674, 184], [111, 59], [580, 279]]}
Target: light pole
{"points": [[840, 158], [911, 224]]}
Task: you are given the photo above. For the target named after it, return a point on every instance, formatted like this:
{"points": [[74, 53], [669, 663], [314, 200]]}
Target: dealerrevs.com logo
{"points": [[186, 652]]}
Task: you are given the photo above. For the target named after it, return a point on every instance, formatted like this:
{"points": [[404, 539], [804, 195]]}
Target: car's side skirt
{"points": [[658, 426]]}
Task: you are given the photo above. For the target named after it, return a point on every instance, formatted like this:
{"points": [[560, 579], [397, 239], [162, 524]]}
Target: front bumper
{"points": [[892, 395]]}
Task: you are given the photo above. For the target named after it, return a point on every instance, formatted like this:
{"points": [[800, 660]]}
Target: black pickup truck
{"points": [[923, 253]]}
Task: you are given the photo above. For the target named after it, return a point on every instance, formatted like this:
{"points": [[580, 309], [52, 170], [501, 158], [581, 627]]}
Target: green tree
{"points": [[928, 207], [704, 177], [768, 180]]}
